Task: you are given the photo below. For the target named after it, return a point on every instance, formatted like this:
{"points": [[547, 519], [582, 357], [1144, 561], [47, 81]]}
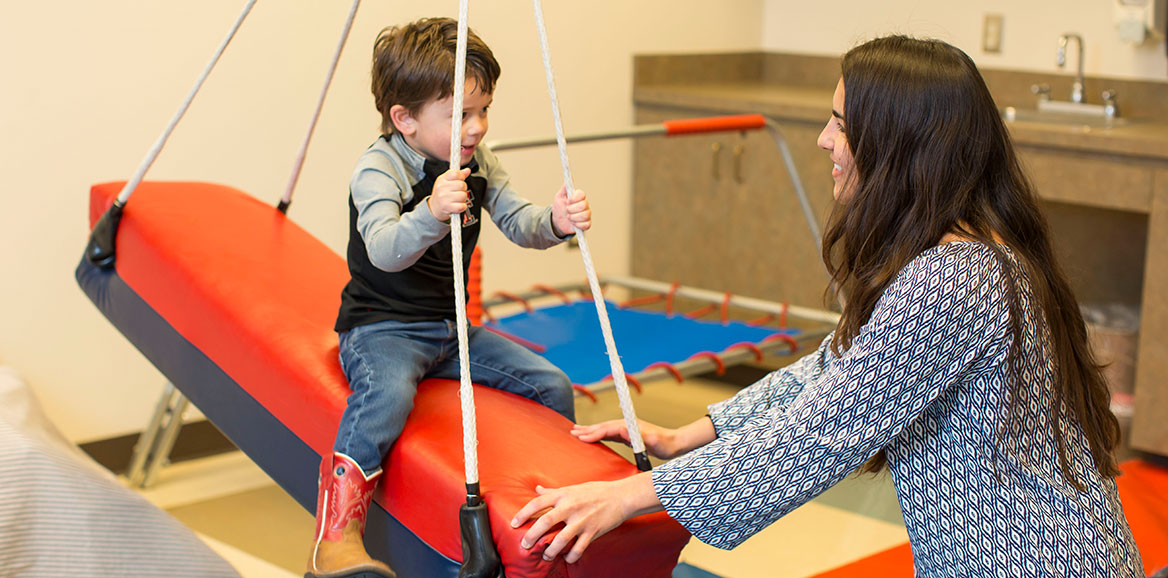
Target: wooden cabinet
{"points": [[719, 211], [1090, 179]]}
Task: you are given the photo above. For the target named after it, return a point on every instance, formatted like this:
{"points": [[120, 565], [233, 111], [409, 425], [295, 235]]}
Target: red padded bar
{"points": [[258, 295], [714, 124]]}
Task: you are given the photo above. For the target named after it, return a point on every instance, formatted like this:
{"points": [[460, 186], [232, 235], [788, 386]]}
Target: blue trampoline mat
{"points": [[571, 334]]}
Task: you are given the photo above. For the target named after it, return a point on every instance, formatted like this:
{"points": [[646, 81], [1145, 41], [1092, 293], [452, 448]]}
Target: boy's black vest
{"points": [[423, 291]]}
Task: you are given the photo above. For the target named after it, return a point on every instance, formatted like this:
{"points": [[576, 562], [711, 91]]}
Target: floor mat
{"points": [[1143, 488]]}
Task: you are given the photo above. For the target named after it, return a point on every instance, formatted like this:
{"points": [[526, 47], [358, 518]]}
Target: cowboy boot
{"points": [[342, 504]]}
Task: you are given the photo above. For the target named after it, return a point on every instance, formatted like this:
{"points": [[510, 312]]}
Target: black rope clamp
{"points": [[101, 251], [479, 557]]}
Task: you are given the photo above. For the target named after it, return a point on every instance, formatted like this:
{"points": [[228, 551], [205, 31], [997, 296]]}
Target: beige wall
{"points": [[87, 87], [1030, 32]]}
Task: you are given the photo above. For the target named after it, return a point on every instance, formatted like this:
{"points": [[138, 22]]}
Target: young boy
{"points": [[397, 318]]}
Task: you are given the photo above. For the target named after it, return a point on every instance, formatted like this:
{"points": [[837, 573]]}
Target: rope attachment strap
{"points": [[618, 372], [101, 251]]}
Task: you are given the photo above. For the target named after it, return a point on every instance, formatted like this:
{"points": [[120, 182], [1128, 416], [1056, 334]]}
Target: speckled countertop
{"points": [[1137, 138]]}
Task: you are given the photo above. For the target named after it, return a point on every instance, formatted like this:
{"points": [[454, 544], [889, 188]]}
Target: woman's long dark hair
{"points": [[932, 157]]}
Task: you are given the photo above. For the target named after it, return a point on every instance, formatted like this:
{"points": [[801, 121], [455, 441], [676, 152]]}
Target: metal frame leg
{"points": [[152, 451]]}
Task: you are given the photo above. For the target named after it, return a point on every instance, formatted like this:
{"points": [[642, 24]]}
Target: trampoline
{"points": [[565, 331], [656, 343]]}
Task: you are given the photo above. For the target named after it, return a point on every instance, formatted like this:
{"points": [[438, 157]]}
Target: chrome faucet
{"points": [[1077, 87]]}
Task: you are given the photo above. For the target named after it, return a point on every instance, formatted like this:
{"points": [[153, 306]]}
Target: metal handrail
{"points": [[740, 122]]}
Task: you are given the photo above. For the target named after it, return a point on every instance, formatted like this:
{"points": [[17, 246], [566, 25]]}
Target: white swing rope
{"points": [[618, 372], [286, 200], [132, 184], [465, 391]]}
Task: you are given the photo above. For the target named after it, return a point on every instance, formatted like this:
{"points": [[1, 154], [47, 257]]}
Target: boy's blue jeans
{"points": [[384, 362]]}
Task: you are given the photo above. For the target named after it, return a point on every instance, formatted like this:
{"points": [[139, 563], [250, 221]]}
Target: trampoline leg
{"points": [[152, 450]]}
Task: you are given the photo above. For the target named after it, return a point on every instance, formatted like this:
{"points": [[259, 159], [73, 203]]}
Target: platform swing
{"points": [[234, 302]]}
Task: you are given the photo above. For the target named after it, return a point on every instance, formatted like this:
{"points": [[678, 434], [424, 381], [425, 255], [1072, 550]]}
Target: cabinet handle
{"points": [[738, 150], [717, 152]]}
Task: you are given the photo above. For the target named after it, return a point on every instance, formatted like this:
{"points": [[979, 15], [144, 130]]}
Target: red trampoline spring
{"points": [[586, 292], [667, 367], [726, 308], [514, 298], [669, 298], [584, 391], [719, 365], [700, 312], [631, 380], [770, 316], [638, 301], [784, 338], [553, 291], [747, 345]]}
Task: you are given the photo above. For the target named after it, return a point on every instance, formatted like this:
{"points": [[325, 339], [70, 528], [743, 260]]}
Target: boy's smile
{"points": [[428, 132]]}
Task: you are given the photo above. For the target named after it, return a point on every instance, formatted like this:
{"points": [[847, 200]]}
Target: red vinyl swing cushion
{"points": [[258, 295]]}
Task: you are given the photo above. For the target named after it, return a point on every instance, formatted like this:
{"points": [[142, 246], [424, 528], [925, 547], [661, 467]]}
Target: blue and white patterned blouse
{"points": [[925, 379]]}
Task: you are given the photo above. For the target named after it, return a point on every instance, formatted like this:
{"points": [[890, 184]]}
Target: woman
{"points": [[960, 362]]}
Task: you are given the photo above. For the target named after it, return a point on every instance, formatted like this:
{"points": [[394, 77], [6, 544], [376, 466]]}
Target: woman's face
{"points": [[834, 140]]}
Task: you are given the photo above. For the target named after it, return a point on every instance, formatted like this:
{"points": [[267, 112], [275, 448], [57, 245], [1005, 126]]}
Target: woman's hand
{"points": [[587, 511], [660, 442], [449, 196], [569, 211]]}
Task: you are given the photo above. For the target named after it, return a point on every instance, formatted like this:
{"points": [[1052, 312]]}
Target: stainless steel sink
{"points": [[1070, 119]]}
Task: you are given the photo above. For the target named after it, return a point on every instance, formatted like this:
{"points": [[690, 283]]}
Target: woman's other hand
{"points": [[587, 512]]}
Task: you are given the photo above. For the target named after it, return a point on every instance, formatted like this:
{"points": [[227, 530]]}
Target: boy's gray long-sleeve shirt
{"points": [[399, 255], [382, 184]]}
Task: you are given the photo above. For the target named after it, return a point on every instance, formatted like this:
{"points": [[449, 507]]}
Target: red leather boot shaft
{"points": [[344, 495]]}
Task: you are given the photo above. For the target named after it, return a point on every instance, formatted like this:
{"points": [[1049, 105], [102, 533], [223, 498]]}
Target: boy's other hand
{"points": [[570, 210], [449, 195]]}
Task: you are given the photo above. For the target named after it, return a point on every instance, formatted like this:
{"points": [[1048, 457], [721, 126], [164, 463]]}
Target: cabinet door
{"points": [[719, 211], [680, 214]]}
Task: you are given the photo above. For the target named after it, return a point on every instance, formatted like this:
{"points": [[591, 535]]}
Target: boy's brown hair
{"points": [[414, 64]]}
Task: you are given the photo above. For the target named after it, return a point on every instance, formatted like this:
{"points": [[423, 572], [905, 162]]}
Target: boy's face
{"points": [[428, 132]]}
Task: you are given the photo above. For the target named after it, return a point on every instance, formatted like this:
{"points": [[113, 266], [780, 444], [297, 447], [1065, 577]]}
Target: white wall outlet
{"points": [[1132, 28], [1131, 21], [991, 34], [1138, 21]]}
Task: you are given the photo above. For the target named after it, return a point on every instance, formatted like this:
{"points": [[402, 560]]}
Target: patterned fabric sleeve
{"points": [[944, 311], [771, 393]]}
